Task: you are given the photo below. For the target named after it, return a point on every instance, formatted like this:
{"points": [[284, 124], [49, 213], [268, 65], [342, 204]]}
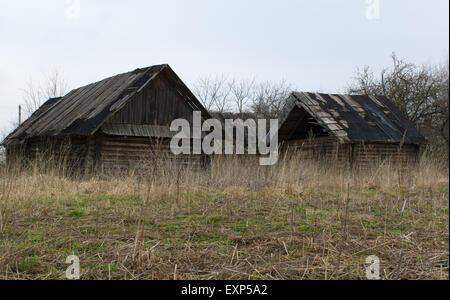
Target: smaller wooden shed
{"points": [[355, 130]]}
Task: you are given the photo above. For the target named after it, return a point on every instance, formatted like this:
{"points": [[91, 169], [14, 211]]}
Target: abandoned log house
{"points": [[111, 124], [353, 130]]}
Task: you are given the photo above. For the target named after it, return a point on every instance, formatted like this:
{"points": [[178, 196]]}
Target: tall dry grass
{"points": [[233, 220], [51, 175]]}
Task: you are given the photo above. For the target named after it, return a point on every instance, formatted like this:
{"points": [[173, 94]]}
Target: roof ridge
{"points": [[135, 71]]}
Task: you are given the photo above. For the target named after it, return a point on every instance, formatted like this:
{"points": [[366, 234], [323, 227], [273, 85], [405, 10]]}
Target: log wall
{"points": [[319, 149], [329, 150], [128, 153], [67, 153], [104, 154], [366, 155]]}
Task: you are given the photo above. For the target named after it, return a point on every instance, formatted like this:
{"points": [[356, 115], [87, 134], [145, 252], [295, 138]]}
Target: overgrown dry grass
{"points": [[297, 220]]}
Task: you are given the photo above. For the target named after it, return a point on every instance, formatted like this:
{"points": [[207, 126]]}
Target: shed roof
{"points": [[84, 110], [356, 118]]}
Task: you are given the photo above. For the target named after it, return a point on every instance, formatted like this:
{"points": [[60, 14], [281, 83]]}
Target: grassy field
{"points": [[297, 220]]}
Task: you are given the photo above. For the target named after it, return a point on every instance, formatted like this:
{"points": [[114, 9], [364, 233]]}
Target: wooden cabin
{"points": [[350, 130], [115, 123]]}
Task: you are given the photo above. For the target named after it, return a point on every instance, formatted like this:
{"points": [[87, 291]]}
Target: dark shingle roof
{"points": [[355, 118], [84, 110]]}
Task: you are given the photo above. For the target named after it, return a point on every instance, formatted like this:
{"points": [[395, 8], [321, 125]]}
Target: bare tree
{"points": [[36, 94], [269, 98], [223, 102], [3, 135], [263, 99], [242, 92], [213, 92], [420, 91]]}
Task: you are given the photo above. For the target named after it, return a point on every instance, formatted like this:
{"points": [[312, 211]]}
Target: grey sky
{"points": [[316, 45]]}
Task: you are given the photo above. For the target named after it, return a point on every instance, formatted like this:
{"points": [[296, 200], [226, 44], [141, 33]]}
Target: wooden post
{"points": [[352, 157], [20, 115]]}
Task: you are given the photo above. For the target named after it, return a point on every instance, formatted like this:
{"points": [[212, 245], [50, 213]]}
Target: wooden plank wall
{"points": [[157, 104]]}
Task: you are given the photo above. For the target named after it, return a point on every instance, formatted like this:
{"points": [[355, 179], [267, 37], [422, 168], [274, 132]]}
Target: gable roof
{"points": [[84, 110], [354, 119]]}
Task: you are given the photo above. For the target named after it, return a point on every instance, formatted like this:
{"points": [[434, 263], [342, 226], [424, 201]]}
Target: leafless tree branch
{"points": [[34, 95]]}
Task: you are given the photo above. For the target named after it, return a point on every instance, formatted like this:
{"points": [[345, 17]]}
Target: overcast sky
{"points": [[316, 45]]}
